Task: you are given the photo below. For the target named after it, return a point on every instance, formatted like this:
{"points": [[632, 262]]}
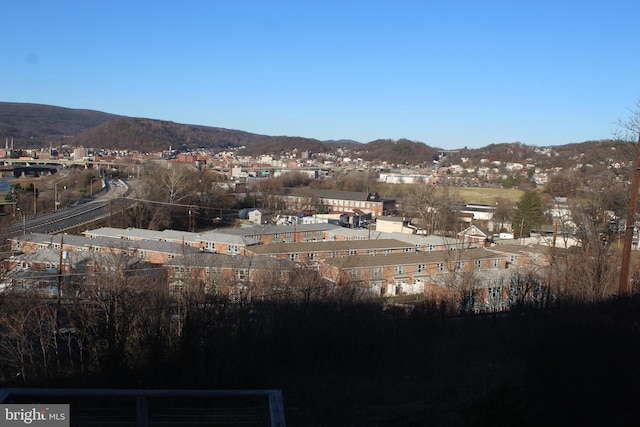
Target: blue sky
{"points": [[446, 73]]}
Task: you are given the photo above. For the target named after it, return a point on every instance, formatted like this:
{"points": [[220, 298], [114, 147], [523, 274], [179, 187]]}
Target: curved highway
{"points": [[82, 212]]}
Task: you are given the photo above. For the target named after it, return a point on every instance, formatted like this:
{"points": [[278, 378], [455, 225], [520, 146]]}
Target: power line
{"points": [[183, 205]]}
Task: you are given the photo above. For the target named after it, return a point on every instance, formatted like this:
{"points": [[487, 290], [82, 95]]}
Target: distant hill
{"points": [[158, 135], [282, 144], [35, 125], [599, 154], [398, 152]]}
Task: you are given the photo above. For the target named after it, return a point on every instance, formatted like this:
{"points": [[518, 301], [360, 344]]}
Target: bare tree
{"points": [[270, 190], [589, 273], [163, 193], [503, 213], [437, 207]]}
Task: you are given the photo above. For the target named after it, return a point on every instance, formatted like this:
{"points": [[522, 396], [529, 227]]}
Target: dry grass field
{"points": [[488, 195]]}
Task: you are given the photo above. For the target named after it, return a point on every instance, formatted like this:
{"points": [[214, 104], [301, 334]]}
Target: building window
{"points": [[233, 249], [477, 264], [179, 272], [376, 272], [495, 264], [353, 273], [313, 256], [293, 257], [353, 252], [494, 293], [399, 269], [460, 265], [242, 274], [406, 250], [439, 267], [421, 268]]}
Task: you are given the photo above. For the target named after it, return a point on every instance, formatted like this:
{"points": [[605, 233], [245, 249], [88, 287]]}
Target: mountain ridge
{"points": [[39, 125]]}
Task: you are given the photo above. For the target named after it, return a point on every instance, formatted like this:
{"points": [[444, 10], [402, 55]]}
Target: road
{"points": [[82, 212]]}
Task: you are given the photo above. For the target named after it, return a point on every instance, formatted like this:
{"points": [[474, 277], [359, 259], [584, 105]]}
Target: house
{"points": [[476, 236], [259, 216], [478, 214], [394, 224]]}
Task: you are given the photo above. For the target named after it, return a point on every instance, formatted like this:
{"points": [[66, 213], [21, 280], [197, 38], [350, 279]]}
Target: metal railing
{"points": [[146, 408]]}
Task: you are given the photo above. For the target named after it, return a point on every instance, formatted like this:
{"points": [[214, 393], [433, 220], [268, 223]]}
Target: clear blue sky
{"points": [[447, 73]]}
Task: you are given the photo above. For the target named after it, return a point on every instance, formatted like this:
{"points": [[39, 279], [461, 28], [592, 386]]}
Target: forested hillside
{"points": [[35, 125], [156, 135]]}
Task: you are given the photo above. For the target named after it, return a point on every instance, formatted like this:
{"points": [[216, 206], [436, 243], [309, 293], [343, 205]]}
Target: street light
{"points": [[55, 194], [91, 187]]}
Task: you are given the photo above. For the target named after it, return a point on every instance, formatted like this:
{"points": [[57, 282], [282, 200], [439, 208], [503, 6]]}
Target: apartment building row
{"points": [[382, 266], [241, 241]]}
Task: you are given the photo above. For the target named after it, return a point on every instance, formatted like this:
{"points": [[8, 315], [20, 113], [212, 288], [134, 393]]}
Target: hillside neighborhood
{"points": [[319, 214], [343, 239], [449, 278]]}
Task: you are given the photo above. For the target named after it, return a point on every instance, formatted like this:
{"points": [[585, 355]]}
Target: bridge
{"points": [[35, 170], [35, 167], [62, 162]]}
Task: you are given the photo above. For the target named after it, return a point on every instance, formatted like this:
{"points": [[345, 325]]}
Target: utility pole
{"points": [[123, 211], [551, 259], [623, 286]]}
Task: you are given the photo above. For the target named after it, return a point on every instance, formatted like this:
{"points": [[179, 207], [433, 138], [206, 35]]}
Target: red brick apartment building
{"points": [[330, 201], [311, 253], [153, 252], [425, 272]]}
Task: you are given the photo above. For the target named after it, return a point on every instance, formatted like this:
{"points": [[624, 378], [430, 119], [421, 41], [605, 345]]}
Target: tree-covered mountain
{"points": [[595, 156], [402, 151], [156, 135], [36, 125]]}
